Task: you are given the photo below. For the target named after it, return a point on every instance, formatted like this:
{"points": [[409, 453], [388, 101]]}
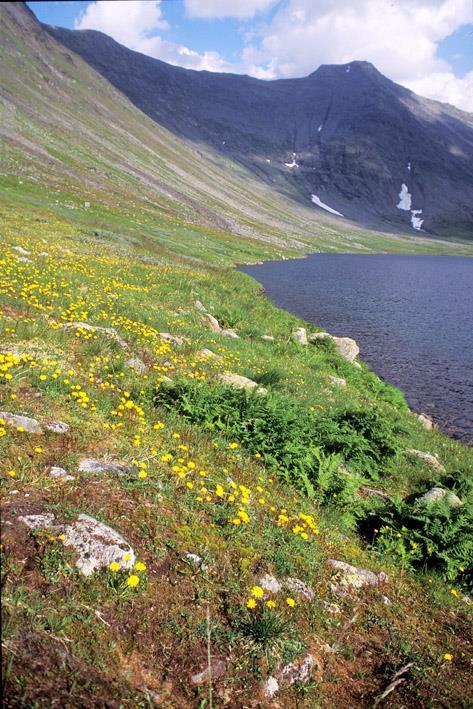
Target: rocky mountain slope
{"points": [[345, 137]]}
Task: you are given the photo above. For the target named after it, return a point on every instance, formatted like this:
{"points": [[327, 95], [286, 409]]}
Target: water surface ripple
{"points": [[412, 317]]}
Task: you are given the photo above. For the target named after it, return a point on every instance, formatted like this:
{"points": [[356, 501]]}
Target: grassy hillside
{"points": [[210, 487]]}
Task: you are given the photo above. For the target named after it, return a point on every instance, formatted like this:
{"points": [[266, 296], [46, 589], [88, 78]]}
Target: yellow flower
{"points": [[290, 602], [127, 556], [12, 473], [142, 474], [233, 445], [448, 657], [271, 604], [133, 580], [257, 592], [139, 566], [251, 603], [114, 566], [454, 592]]}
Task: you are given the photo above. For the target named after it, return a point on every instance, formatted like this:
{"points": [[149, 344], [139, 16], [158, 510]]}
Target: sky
{"points": [[425, 45]]}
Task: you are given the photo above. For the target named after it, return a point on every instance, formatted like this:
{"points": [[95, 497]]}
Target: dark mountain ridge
{"points": [[346, 134]]}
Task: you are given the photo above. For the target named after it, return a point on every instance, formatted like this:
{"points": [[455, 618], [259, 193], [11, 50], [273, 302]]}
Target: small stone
{"points": [[230, 333], [270, 687], [213, 323], [387, 601], [338, 381], [60, 473], [426, 458], [195, 560], [136, 364], [178, 340], [374, 492], [21, 250], [200, 307], [438, 493], [426, 421], [217, 669], [270, 583], [207, 354], [299, 588], [97, 467], [300, 335], [267, 338], [57, 426], [30, 425], [240, 382], [109, 331], [296, 671]]}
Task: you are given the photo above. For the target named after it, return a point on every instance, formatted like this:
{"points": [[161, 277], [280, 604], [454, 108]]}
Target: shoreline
{"points": [[437, 424]]}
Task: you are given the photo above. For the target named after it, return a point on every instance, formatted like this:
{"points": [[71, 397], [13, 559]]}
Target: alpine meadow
{"points": [[207, 501]]}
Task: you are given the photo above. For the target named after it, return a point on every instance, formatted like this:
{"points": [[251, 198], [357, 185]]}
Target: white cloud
{"points": [[400, 38], [135, 23], [127, 22], [218, 9]]}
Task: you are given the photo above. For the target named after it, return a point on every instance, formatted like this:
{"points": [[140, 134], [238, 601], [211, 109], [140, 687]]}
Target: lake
{"points": [[412, 317]]}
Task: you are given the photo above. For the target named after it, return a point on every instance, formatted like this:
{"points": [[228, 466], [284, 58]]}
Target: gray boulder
{"points": [[426, 458], [240, 382], [438, 493], [299, 335], [99, 467]]}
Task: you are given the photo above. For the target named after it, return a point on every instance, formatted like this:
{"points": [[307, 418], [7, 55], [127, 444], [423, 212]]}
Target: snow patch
{"points": [[347, 70], [409, 166], [293, 163], [320, 127], [321, 204], [405, 198], [415, 220]]}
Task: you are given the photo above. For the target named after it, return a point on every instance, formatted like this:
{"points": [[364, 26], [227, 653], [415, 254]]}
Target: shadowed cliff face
{"points": [[345, 133]]}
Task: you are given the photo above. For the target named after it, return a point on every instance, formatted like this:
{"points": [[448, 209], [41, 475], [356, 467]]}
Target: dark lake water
{"points": [[412, 317]]}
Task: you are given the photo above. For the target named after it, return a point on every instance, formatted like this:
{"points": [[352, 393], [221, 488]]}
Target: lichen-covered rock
{"points": [[270, 583], [240, 382], [354, 577], [56, 426], [299, 588], [37, 521], [60, 474], [98, 467], [299, 335], [97, 545], [438, 493], [297, 671], [426, 458], [25, 422]]}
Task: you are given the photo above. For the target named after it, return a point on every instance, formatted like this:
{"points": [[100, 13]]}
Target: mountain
{"points": [[346, 134]]}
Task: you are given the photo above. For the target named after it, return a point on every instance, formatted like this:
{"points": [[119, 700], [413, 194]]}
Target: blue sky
{"points": [[426, 45]]}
